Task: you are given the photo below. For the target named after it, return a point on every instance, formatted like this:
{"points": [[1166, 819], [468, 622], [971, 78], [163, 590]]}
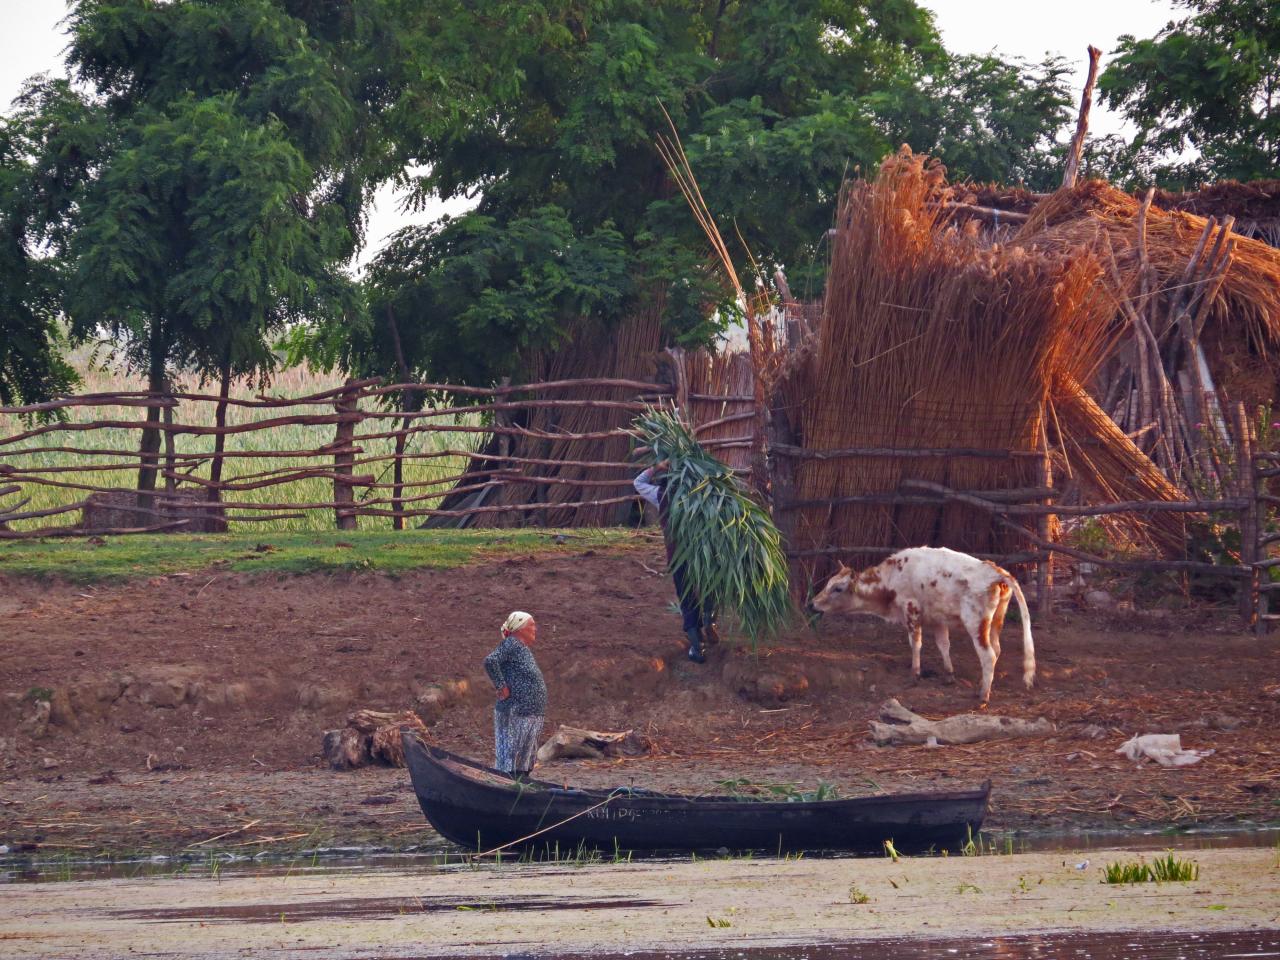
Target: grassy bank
{"points": [[290, 552]]}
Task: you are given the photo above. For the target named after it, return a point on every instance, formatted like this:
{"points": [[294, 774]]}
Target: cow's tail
{"points": [[1028, 646]]}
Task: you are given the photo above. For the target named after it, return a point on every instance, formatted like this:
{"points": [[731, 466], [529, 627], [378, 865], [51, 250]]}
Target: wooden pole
{"points": [[1247, 488], [1258, 483], [214, 494], [343, 493], [402, 438], [170, 449], [1076, 150], [1045, 527]]}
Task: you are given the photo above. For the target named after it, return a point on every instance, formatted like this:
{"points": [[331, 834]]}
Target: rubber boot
{"points": [[695, 646], [710, 635]]}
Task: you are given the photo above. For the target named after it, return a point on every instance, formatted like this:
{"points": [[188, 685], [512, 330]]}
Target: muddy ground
{"points": [[186, 711]]}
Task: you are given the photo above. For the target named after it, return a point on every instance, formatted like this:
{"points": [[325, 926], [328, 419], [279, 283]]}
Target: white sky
{"points": [[32, 42]]}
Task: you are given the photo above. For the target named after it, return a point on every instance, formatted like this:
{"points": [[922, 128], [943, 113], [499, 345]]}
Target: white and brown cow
{"points": [[937, 588]]}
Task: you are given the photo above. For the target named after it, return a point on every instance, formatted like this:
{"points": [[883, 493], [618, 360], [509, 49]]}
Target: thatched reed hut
{"points": [[1240, 326], [941, 352], [1198, 312]]}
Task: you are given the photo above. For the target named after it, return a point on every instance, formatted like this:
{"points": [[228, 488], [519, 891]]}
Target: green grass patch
{"points": [[1166, 869], [293, 552]]}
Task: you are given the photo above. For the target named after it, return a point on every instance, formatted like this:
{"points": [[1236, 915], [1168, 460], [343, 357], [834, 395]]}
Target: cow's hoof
{"points": [[949, 679], [982, 704]]}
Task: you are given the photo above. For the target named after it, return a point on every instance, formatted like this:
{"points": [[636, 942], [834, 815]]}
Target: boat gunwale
{"points": [[449, 764]]}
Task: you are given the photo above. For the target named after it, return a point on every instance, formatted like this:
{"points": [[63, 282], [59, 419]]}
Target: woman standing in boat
{"points": [[522, 695]]}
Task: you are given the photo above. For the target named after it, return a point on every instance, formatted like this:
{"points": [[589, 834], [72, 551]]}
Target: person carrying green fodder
{"points": [[723, 550], [699, 617]]}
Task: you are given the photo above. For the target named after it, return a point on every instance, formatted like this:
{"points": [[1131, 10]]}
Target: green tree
{"points": [[1204, 94], [202, 186], [578, 223], [31, 365], [991, 120]]}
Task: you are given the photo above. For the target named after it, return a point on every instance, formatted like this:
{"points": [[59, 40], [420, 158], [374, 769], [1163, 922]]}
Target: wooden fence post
{"points": [[343, 459], [397, 479], [1246, 480], [1259, 474], [170, 445], [1044, 527], [1258, 482]]}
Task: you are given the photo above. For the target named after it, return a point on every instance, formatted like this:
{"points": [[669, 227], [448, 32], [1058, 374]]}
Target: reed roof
{"points": [[1098, 216]]}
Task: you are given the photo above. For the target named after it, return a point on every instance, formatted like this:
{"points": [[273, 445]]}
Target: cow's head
{"points": [[850, 592], [837, 595]]}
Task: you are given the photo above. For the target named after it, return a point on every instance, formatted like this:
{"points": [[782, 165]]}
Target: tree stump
{"points": [[370, 737], [570, 743], [905, 727]]}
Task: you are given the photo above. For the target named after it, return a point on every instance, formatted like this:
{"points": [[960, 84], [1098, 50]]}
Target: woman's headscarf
{"points": [[515, 622]]}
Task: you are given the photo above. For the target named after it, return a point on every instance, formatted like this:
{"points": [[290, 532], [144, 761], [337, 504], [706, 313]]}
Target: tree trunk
{"points": [[149, 448], [370, 736], [569, 743], [905, 727], [215, 523]]}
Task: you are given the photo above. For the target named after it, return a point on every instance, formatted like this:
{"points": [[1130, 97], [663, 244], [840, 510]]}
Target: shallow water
{"points": [[1231, 945], [447, 857]]}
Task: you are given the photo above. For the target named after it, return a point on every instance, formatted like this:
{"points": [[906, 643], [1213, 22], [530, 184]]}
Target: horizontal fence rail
{"points": [[355, 435], [353, 451]]}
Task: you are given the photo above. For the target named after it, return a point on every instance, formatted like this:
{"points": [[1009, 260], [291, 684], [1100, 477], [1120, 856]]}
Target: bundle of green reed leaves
{"points": [[726, 542]]}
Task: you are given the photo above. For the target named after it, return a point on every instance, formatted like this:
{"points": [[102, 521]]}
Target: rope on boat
{"points": [[613, 795]]}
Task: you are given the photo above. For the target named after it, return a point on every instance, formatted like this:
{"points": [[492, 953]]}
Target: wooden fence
{"points": [[1029, 513], [200, 495]]}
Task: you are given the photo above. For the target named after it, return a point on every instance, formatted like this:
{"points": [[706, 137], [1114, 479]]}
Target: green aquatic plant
{"points": [[1169, 869], [1166, 869]]}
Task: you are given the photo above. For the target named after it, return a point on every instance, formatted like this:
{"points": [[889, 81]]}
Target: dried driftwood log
{"points": [[569, 743], [370, 736], [902, 727]]}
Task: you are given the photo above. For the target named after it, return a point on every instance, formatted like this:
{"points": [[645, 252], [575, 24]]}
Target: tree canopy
{"points": [[31, 365], [202, 182], [577, 220], [1204, 94]]}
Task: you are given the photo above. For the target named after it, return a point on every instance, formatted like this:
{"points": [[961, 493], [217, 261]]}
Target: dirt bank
{"points": [[182, 707], [497, 910]]}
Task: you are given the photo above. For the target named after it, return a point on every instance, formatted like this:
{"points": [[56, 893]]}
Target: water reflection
{"points": [[433, 858], [1228, 945]]}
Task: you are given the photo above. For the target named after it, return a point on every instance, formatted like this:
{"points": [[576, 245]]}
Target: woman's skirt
{"points": [[515, 741]]}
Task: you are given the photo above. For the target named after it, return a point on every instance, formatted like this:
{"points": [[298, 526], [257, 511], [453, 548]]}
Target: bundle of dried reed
{"points": [[626, 352], [1178, 280], [1094, 214], [1111, 467], [932, 339], [719, 405]]}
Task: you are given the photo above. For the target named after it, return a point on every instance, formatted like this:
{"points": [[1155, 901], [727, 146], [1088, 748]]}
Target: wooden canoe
{"points": [[482, 809]]}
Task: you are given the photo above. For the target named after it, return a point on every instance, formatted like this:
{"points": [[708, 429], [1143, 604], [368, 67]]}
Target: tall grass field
{"points": [[106, 469]]}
